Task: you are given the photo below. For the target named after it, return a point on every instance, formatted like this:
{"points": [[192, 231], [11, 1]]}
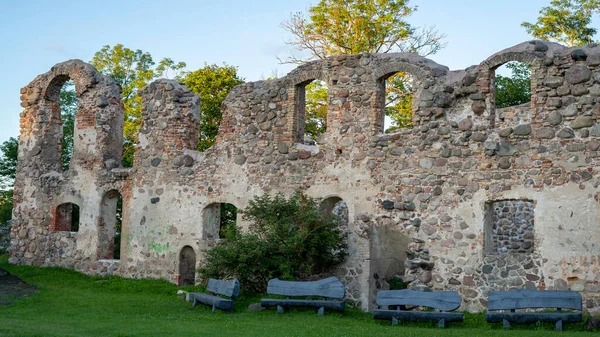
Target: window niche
{"points": [[66, 218], [216, 219], [509, 226]]}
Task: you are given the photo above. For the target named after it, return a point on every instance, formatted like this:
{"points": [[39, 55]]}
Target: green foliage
{"points": [[287, 238], [516, 89], [399, 101], [228, 219], [6, 206], [8, 162], [397, 283], [133, 70], [212, 83], [338, 27], [316, 109], [565, 21]]}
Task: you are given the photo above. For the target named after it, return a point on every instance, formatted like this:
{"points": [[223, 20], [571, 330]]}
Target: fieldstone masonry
{"points": [[417, 200]]}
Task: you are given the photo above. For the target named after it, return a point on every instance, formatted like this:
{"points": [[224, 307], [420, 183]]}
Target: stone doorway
{"points": [[187, 266]]}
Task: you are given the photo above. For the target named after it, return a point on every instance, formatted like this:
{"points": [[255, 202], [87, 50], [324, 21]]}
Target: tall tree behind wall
{"points": [[212, 83], [133, 70], [565, 21], [339, 27]]}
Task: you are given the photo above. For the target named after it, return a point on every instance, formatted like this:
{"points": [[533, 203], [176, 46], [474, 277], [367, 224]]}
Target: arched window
{"points": [[338, 207], [511, 88], [111, 226], [65, 218], [61, 92], [217, 218]]}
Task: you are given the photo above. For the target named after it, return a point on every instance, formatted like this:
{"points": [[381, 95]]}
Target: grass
{"points": [[69, 303]]}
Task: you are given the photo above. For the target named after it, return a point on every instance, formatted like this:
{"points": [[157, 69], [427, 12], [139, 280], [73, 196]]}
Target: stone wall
{"points": [[417, 200]]}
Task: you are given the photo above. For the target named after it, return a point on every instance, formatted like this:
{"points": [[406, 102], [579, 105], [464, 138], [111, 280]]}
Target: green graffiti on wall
{"points": [[157, 247]]}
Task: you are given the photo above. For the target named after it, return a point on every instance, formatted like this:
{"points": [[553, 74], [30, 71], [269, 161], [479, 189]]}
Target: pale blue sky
{"points": [[36, 34]]}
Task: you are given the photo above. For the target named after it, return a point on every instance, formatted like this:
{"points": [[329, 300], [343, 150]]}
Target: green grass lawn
{"points": [[69, 303]]}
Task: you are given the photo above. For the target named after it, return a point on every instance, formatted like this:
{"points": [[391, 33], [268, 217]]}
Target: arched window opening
{"points": [[338, 207], [66, 218], [111, 225], [398, 107], [311, 111], [511, 87], [68, 107], [217, 220], [187, 267]]}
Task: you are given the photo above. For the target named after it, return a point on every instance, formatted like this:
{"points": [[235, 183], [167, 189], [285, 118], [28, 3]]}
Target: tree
{"points": [[338, 27], [8, 170], [8, 162], [566, 22], [516, 89], [133, 70], [316, 109], [288, 238], [212, 83]]}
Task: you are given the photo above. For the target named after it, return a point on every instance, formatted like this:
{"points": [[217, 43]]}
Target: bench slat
{"points": [[221, 303], [532, 317], [328, 304], [231, 289], [441, 300], [522, 299], [418, 316], [330, 287]]}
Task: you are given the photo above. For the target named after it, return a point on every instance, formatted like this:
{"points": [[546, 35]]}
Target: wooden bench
{"points": [[216, 288], [443, 301], [534, 299], [328, 289]]}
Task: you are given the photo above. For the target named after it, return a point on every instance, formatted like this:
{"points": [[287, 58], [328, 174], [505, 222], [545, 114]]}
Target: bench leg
{"points": [[394, 321], [214, 308], [321, 311], [559, 325], [280, 309], [442, 323], [195, 303], [505, 323]]}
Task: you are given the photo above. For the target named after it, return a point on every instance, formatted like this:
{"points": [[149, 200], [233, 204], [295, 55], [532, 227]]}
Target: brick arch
{"points": [[393, 67], [511, 56]]}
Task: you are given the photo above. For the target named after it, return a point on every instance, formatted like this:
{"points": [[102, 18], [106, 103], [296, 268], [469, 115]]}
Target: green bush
{"points": [[287, 238]]}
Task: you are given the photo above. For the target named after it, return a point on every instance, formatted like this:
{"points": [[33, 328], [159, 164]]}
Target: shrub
{"points": [[287, 238]]}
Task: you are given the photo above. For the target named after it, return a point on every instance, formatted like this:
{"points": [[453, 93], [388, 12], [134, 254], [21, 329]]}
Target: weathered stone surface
{"points": [[522, 130], [582, 122], [566, 133], [578, 74], [417, 200], [478, 107]]}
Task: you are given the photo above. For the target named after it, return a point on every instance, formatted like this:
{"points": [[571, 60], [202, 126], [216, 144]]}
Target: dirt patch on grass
{"points": [[12, 287]]}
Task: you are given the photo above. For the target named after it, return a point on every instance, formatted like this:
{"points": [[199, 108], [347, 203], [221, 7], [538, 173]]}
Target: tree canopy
{"points": [[338, 27], [516, 89], [133, 70], [212, 83], [566, 22]]}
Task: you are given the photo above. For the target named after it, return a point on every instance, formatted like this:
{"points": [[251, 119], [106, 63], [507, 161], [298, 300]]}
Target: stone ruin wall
{"points": [[418, 200]]}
